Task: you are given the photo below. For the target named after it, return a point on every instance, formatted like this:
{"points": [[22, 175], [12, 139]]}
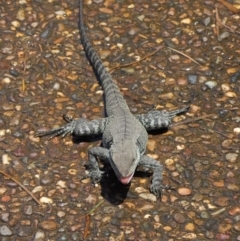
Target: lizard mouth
{"points": [[126, 180]]}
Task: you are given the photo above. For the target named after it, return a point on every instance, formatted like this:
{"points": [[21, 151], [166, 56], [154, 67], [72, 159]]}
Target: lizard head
{"points": [[124, 160]]}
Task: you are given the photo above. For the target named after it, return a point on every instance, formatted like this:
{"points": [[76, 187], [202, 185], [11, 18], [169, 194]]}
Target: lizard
{"points": [[124, 136]]}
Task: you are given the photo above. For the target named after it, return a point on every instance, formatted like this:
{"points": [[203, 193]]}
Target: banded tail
{"points": [[114, 100]]}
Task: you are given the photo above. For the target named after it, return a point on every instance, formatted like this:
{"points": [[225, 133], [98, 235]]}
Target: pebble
{"points": [[206, 21], [179, 217], [148, 196], [190, 227], [222, 201], [49, 225], [20, 14], [46, 200], [5, 231], [4, 217], [211, 84], [223, 36], [183, 191], [236, 227], [39, 236], [24, 231], [224, 227], [2, 190], [151, 145], [231, 157], [192, 79]]}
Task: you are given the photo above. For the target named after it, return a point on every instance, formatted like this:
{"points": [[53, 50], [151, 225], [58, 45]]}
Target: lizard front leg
{"points": [[94, 172], [157, 168], [79, 127], [155, 119]]}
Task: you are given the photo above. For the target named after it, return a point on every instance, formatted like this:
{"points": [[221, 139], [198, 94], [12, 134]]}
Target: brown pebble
{"points": [[151, 145], [182, 81], [234, 210], [49, 225], [222, 201], [179, 217], [224, 227], [183, 191], [189, 227], [219, 183], [106, 10], [236, 226], [167, 96]]}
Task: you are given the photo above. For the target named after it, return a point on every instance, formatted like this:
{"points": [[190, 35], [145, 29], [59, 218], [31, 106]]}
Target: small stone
{"points": [[224, 35], [206, 21], [179, 217], [236, 130], [4, 217], [151, 145], [234, 210], [222, 201], [146, 207], [186, 21], [167, 96], [224, 227], [46, 200], [236, 226], [104, 54], [189, 227], [108, 209], [192, 79], [183, 191], [16, 24], [148, 196], [2, 190], [39, 236], [20, 14], [5, 231], [211, 84], [61, 214], [225, 87], [231, 157], [231, 94], [49, 225]]}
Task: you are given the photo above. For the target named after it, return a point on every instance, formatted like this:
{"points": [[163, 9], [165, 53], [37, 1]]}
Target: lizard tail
{"points": [[113, 97]]}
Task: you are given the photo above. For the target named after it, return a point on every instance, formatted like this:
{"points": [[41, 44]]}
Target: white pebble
{"points": [[210, 84], [37, 189], [236, 130], [46, 200], [6, 159]]}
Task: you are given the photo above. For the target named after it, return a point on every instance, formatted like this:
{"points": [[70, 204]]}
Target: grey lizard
{"points": [[124, 136]]}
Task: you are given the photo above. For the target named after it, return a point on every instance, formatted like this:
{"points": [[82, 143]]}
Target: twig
{"points": [[217, 22], [229, 6], [86, 230], [87, 217], [21, 185], [135, 62], [94, 208], [184, 55], [224, 25], [191, 120]]}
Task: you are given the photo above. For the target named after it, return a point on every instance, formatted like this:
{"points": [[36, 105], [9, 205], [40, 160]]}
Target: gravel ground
{"points": [[45, 74]]}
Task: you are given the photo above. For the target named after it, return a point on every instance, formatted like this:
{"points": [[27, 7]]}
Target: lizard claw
{"points": [[156, 189], [63, 131], [94, 175]]}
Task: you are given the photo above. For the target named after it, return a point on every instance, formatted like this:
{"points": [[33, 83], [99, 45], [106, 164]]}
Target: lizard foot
{"points": [[156, 189], [63, 131], [95, 175]]}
